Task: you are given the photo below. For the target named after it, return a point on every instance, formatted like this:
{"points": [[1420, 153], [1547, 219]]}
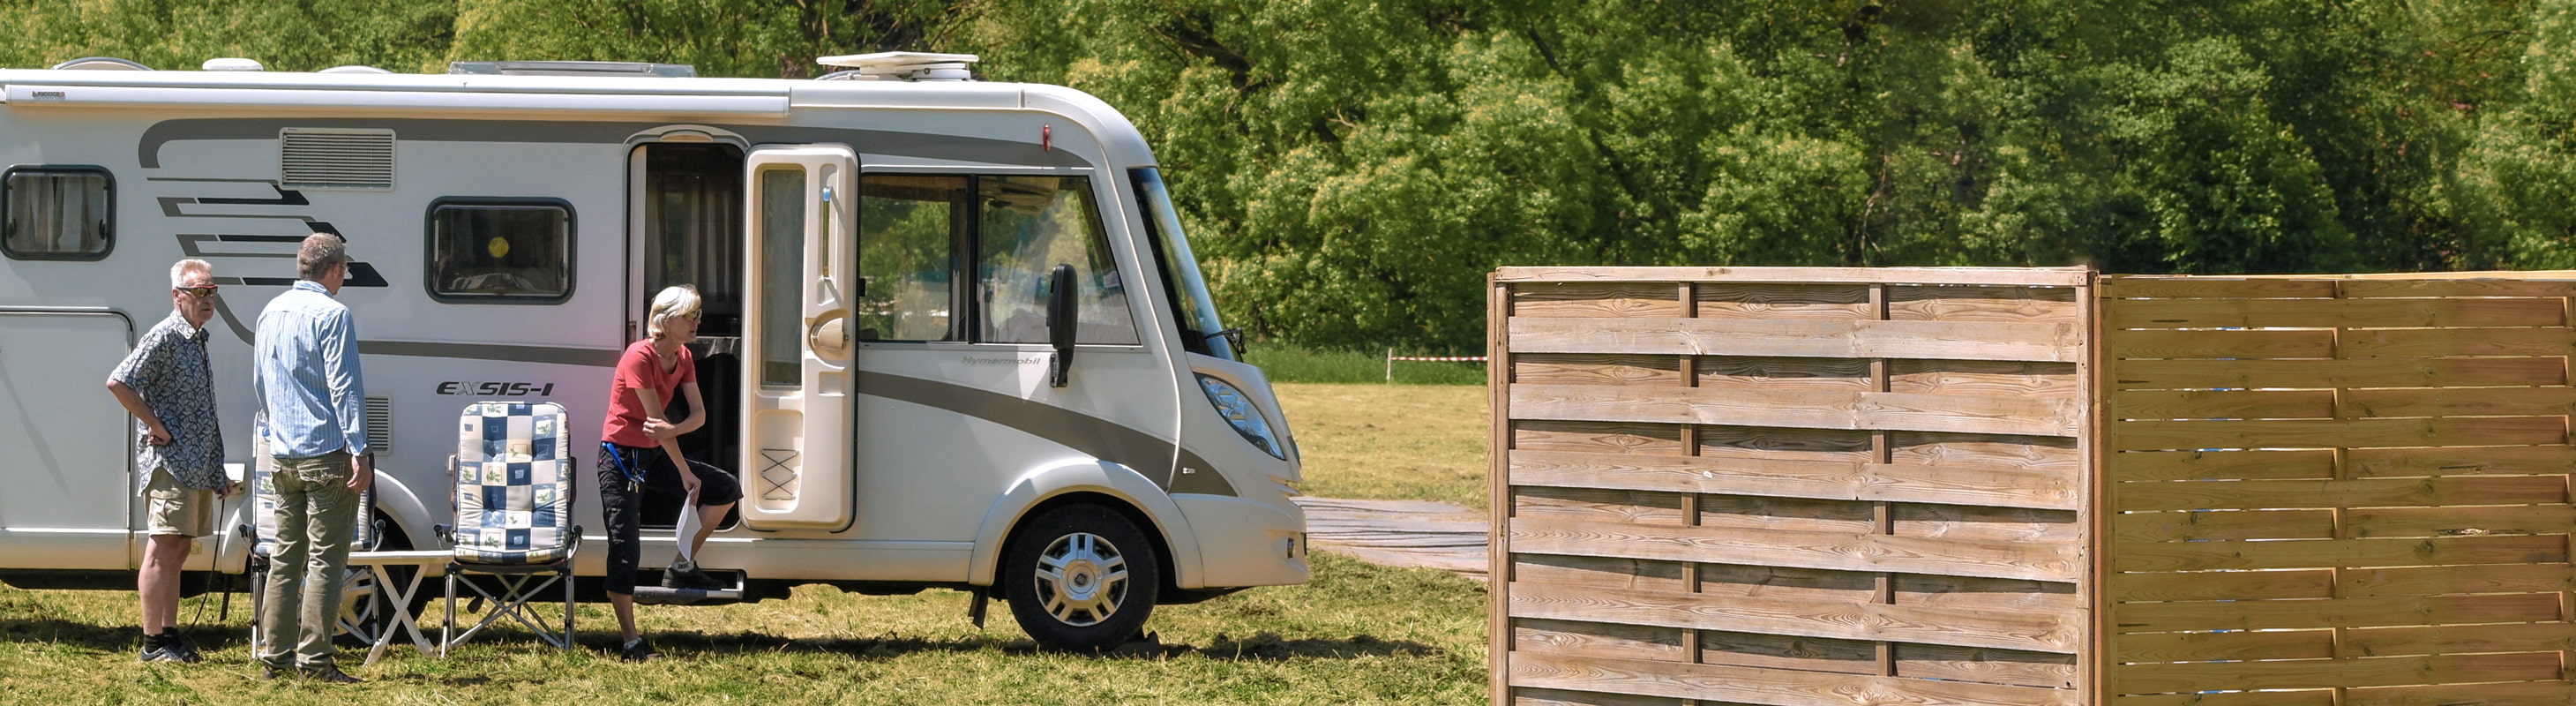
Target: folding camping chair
{"points": [[514, 492], [359, 609]]}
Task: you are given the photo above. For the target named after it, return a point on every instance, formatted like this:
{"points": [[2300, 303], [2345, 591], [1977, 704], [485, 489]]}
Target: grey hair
{"points": [[179, 271], [673, 302], [320, 253]]}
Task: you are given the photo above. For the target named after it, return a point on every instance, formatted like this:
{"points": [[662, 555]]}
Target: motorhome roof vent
{"points": [[573, 68], [903, 66], [315, 158], [100, 63], [232, 64]]}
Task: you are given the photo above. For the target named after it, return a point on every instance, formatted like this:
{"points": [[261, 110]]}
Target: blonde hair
{"points": [[179, 271], [672, 303]]}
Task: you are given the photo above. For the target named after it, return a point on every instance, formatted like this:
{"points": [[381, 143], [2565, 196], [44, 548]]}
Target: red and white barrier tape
{"points": [[1441, 359]]}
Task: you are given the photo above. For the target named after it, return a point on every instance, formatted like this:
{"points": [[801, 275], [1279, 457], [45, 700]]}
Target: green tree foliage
{"points": [[1349, 170]]}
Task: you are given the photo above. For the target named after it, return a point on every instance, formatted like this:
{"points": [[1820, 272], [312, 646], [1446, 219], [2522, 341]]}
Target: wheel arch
{"points": [[404, 508], [1104, 483]]}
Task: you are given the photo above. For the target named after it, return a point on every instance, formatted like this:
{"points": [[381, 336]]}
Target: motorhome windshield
{"points": [[1201, 331]]}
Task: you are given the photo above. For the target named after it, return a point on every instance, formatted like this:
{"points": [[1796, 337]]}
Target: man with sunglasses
{"points": [[168, 385]]}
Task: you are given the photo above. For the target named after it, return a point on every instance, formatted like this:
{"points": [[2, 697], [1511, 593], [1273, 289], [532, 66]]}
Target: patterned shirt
{"points": [[306, 375], [169, 370]]}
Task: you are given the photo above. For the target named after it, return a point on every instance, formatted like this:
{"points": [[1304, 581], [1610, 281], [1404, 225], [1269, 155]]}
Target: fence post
{"points": [[1390, 366]]}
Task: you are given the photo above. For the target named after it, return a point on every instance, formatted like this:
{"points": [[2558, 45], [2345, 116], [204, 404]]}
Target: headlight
{"points": [[1239, 411]]}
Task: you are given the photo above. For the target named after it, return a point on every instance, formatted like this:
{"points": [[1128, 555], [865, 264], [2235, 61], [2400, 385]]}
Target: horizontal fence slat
{"points": [[2053, 342], [1770, 687], [2538, 286], [2241, 645], [2444, 580], [2459, 401], [2221, 585], [2360, 672], [2450, 342], [2147, 435], [1824, 480], [2203, 526], [2030, 630], [2389, 372], [2336, 613], [2332, 313], [2289, 343], [2135, 286], [1993, 276], [2354, 404], [1791, 548], [1813, 409], [2349, 583], [2553, 691], [2458, 639], [2461, 521], [2224, 404], [2338, 553], [2464, 461], [2360, 523], [2313, 697], [2220, 465], [2364, 492]]}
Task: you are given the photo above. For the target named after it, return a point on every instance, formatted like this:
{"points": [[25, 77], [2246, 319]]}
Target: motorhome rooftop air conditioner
{"points": [[901, 66]]}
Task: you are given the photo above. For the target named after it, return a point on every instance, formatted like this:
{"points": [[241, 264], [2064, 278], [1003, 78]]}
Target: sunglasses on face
{"points": [[199, 292]]}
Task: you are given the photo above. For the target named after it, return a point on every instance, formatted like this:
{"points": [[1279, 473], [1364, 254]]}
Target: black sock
{"points": [[153, 641]]}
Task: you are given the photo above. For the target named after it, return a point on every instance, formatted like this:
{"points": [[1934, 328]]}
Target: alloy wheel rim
{"points": [[1081, 579]]}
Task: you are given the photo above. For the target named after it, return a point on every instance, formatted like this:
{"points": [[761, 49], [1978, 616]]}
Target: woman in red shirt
{"points": [[639, 450]]}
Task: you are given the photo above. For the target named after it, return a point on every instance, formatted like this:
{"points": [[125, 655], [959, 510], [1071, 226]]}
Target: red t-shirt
{"points": [[640, 369]]}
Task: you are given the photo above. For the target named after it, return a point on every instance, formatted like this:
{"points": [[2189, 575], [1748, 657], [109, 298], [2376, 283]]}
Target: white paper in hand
{"points": [[688, 528]]}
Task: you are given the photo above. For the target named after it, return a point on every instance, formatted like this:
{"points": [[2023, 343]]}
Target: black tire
{"points": [[1084, 601]]}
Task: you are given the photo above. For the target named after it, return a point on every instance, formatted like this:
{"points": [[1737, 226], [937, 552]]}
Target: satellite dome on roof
{"points": [[905, 66]]}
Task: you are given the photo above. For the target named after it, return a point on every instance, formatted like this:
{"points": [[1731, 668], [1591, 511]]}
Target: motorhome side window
{"points": [[500, 250], [57, 213], [908, 229], [912, 228], [1030, 224]]}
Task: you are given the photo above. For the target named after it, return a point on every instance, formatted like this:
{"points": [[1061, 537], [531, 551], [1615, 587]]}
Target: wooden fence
{"points": [[1791, 486], [2340, 491], [1839, 487]]}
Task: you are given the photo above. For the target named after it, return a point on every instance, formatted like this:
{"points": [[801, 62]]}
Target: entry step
{"points": [[655, 594]]}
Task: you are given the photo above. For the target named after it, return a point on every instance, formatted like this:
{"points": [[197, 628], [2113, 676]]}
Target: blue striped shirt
{"points": [[306, 375]]}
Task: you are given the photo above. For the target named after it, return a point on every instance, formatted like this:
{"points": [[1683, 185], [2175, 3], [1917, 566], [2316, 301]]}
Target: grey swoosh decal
{"points": [[907, 144], [1100, 438], [594, 357]]}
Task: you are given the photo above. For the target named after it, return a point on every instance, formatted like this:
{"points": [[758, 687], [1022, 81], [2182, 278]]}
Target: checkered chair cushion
{"points": [[263, 497], [513, 484]]}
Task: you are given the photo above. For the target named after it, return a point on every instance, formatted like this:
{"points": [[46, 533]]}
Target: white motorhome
{"points": [[887, 370]]}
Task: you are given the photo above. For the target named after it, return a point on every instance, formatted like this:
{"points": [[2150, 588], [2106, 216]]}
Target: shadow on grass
{"points": [[112, 638], [1264, 646]]}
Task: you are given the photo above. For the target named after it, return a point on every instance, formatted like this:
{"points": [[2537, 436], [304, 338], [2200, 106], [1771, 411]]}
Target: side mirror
{"points": [[1061, 322]]}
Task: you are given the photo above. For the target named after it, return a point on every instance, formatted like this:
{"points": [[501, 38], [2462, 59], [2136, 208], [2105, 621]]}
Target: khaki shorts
{"points": [[171, 508]]}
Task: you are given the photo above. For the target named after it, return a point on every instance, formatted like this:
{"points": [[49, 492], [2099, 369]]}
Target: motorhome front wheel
{"points": [[1081, 577]]}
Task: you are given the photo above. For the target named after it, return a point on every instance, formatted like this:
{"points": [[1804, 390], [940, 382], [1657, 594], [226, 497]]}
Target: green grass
{"points": [[1356, 634], [1291, 363], [1395, 442]]}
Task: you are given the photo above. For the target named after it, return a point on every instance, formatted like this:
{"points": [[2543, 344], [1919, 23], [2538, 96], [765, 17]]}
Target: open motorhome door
{"points": [[797, 380]]}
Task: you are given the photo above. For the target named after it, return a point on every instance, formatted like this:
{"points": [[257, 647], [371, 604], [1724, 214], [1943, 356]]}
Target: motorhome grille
{"points": [[380, 424], [335, 159]]}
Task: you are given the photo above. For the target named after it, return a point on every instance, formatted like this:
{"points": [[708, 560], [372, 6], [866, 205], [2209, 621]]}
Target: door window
{"points": [[782, 256]]}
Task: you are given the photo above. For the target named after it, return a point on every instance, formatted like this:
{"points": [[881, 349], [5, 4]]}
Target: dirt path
{"points": [[1439, 535]]}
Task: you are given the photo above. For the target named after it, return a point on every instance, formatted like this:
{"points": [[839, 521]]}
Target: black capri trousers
{"points": [[622, 505]]}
